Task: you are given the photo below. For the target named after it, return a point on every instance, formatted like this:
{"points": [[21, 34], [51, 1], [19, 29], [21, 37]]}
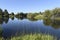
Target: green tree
{"points": [[1, 13], [17, 15], [56, 11], [12, 13], [6, 14], [47, 13]]}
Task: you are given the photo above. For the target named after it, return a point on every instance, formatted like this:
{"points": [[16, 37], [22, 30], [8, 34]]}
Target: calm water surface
{"points": [[16, 27]]}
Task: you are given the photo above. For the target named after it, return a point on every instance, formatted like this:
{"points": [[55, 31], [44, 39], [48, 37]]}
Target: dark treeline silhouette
{"points": [[40, 15], [4, 13], [47, 14], [11, 15], [21, 15]]}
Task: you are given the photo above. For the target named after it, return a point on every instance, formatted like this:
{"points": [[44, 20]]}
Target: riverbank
{"points": [[34, 37]]}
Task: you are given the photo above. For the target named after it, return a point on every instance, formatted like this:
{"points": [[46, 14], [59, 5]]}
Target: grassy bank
{"points": [[34, 37], [39, 17]]}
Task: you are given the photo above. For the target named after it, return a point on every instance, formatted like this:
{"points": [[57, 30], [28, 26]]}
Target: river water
{"points": [[15, 27]]}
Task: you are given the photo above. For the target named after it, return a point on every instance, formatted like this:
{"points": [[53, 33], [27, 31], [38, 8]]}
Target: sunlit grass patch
{"points": [[34, 37], [39, 17]]}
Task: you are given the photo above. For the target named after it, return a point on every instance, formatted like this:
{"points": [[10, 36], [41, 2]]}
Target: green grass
{"points": [[34, 37], [39, 17]]}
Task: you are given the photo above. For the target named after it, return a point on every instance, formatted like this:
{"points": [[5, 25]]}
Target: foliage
{"points": [[11, 15], [46, 14], [34, 37], [56, 11], [6, 13], [1, 11], [31, 15]]}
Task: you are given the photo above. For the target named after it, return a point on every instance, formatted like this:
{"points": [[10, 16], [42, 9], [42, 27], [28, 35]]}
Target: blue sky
{"points": [[28, 5]]}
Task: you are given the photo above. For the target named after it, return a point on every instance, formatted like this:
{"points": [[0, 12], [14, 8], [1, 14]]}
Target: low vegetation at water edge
{"points": [[34, 37]]}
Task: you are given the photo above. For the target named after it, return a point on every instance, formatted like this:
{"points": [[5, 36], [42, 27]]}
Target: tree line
{"points": [[5, 13], [40, 15]]}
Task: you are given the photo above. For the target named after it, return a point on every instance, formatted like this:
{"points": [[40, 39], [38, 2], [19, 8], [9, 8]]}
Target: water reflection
{"points": [[12, 18], [0, 31], [5, 19], [21, 18], [1, 20], [54, 23], [25, 26]]}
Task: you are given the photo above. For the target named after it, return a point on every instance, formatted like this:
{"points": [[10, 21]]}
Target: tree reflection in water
{"points": [[5, 19], [54, 23], [1, 32]]}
